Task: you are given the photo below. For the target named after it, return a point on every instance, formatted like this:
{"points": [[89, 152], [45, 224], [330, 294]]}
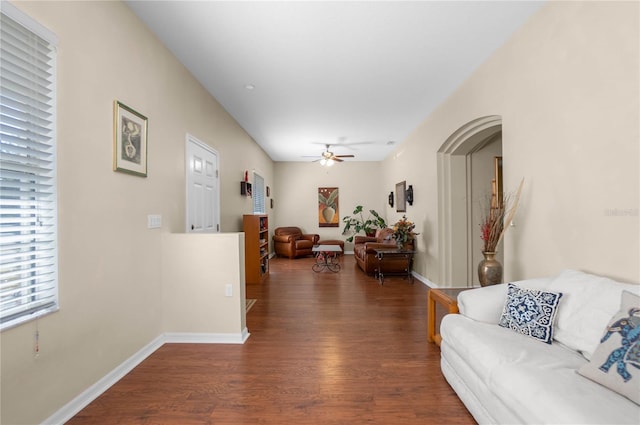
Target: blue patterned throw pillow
{"points": [[616, 361], [530, 312]]}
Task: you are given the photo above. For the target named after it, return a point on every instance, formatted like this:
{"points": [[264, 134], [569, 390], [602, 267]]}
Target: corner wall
{"points": [[296, 197], [566, 86], [196, 270], [110, 263]]}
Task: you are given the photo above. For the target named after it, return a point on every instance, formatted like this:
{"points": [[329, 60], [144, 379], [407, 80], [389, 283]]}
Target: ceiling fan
{"points": [[328, 158]]}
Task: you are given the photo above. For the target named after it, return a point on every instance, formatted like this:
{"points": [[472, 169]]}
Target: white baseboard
{"points": [[94, 391], [206, 338], [424, 280], [70, 409]]}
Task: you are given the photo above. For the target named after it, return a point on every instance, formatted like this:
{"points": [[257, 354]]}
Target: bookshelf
{"points": [[256, 247]]}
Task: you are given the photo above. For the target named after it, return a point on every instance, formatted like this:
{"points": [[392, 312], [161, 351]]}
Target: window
{"points": [[258, 194], [28, 210]]}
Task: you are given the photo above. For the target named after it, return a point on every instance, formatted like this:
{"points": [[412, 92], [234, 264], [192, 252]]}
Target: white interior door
{"points": [[203, 189]]}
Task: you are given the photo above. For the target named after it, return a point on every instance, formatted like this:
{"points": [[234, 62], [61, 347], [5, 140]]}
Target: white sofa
{"points": [[504, 377]]}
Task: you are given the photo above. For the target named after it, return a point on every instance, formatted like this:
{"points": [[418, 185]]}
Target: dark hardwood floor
{"points": [[325, 348]]}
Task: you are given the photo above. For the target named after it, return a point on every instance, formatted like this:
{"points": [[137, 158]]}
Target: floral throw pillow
{"points": [[616, 362], [530, 312]]}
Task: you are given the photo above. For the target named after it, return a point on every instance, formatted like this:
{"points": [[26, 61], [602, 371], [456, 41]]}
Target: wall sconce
{"points": [[410, 195], [391, 199]]}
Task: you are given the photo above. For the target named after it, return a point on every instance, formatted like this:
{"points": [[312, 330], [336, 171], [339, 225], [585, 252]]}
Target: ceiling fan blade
{"points": [[344, 156], [335, 158]]}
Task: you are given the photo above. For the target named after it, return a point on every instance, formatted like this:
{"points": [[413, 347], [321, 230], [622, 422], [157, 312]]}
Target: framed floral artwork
{"points": [[130, 141], [328, 211]]}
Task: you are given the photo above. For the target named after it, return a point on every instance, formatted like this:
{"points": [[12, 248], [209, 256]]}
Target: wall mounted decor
{"points": [[409, 195], [401, 204], [245, 189], [328, 211], [391, 199], [129, 141], [497, 194]]}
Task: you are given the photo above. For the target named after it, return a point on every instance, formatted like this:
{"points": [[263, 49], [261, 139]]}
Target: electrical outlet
{"points": [[228, 290]]}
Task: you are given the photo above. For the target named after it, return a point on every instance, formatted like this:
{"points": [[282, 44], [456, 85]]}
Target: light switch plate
{"points": [[154, 221]]}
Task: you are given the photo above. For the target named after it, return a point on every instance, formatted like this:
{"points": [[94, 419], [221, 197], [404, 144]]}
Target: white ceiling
{"points": [[356, 75]]}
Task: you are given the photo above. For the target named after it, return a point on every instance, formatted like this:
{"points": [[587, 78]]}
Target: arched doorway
{"points": [[455, 198]]}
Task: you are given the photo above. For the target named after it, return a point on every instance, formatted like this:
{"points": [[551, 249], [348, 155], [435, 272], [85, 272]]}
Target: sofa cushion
{"points": [[586, 307], [486, 304], [614, 363], [536, 382], [303, 244], [530, 312], [385, 234]]}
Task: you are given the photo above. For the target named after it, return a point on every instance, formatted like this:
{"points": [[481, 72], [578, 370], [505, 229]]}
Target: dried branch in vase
{"points": [[497, 219]]}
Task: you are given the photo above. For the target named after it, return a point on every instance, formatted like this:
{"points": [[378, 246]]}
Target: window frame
{"points": [[258, 194], [40, 221]]}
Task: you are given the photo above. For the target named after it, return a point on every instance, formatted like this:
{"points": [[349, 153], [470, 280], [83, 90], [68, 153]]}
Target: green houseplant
{"points": [[356, 223]]}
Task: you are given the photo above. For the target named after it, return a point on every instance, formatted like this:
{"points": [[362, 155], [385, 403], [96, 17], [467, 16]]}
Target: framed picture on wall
{"points": [[129, 141], [497, 178], [328, 207], [401, 200]]}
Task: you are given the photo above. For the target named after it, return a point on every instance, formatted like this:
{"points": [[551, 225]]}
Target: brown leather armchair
{"points": [[291, 242], [364, 251]]}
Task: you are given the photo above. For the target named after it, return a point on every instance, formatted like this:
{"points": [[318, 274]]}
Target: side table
{"points": [[398, 262], [447, 297]]}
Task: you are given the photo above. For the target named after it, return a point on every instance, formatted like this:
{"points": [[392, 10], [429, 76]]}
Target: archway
{"points": [[455, 198]]}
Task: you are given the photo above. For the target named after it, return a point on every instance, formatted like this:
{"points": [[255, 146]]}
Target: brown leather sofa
{"points": [[365, 255], [291, 242]]}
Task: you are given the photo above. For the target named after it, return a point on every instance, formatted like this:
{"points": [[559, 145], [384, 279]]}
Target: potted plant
{"points": [[403, 232], [356, 223]]}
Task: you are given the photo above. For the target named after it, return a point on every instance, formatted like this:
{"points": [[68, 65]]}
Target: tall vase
{"points": [[489, 269]]}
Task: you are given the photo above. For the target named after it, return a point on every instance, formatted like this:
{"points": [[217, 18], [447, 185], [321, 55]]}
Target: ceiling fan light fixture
{"points": [[330, 162], [323, 161]]}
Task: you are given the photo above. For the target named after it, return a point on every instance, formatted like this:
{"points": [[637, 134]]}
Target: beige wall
{"points": [[567, 88], [110, 263], [296, 193], [195, 272]]}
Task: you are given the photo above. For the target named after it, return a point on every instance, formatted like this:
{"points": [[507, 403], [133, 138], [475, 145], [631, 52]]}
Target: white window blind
{"points": [[28, 210], [258, 194]]}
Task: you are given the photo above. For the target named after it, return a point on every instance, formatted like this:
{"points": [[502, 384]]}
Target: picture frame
{"points": [[129, 141], [401, 200], [497, 189], [328, 207]]}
